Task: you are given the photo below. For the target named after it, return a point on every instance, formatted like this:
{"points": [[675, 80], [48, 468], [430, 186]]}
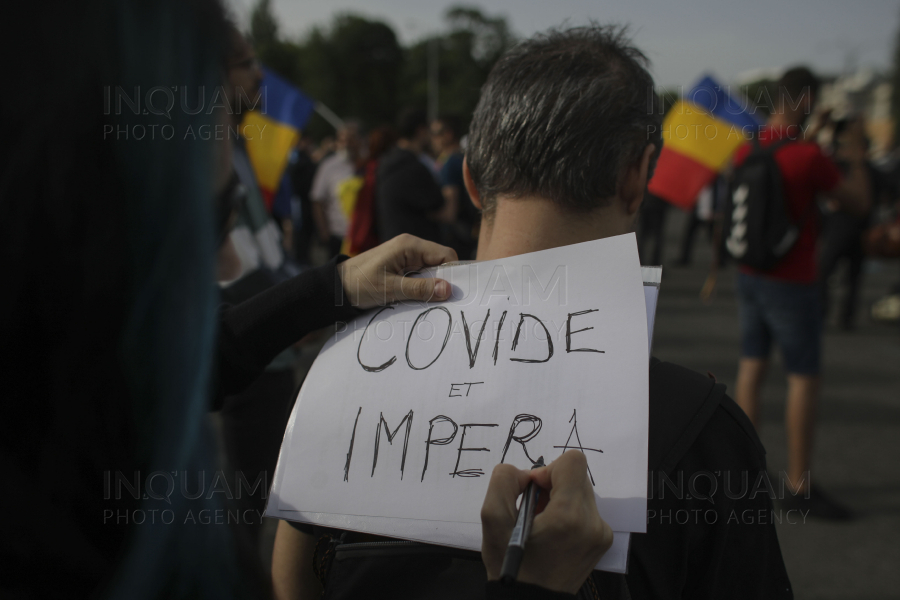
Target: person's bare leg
{"points": [[800, 420], [751, 372]]}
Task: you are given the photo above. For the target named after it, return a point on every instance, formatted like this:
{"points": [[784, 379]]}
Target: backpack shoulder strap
{"points": [[681, 403], [810, 210], [772, 148]]}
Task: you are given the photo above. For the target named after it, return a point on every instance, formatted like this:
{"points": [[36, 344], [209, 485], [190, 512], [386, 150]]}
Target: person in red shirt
{"points": [[783, 304]]}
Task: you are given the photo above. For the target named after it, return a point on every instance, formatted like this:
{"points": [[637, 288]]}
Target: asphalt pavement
{"points": [[858, 435]]}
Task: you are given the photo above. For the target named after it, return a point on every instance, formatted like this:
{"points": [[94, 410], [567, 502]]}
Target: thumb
{"points": [[423, 289]]}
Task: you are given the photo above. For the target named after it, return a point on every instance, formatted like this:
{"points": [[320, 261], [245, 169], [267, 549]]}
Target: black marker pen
{"points": [[515, 551]]}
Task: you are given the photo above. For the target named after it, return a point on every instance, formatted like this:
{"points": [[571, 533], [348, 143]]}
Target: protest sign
{"points": [[407, 410]]}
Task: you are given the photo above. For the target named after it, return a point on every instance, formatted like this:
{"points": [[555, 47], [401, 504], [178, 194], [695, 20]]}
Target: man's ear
{"points": [[632, 193], [470, 185]]}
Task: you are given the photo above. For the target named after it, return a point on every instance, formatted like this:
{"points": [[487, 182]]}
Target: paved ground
{"points": [[858, 438]]}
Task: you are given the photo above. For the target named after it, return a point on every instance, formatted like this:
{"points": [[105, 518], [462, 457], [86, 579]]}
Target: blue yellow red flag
{"points": [[700, 134], [274, 130]]}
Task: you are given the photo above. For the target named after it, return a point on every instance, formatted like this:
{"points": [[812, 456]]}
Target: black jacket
{"points": [[253, 332], [406, 193], [709, 536]]}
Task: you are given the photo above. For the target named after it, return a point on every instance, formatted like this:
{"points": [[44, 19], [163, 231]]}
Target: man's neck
{"points": [[524, 225]]}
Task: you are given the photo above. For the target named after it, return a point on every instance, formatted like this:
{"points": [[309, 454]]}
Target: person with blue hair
{"points": [[114, 346]]}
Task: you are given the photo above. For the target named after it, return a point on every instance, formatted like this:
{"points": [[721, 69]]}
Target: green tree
{"points": [[487, 38], [282, 56], [357, 68], [354, 67], [468, 49], [895, 90], [263, 25]]}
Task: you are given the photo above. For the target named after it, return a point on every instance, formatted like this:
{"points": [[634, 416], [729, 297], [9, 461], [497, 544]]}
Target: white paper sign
{"points": [[406, 411]]}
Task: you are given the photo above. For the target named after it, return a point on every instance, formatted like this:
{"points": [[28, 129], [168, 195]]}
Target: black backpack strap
{"points": [[681, 403], [772, 148]]}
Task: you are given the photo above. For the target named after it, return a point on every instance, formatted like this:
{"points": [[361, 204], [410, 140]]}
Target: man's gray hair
{"points": [[563, 115]]}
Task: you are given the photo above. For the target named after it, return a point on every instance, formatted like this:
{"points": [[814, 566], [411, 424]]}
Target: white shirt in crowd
{"points": [[334, 170]]}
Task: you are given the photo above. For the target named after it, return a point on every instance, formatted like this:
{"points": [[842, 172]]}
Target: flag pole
{"points": [[328, 114]]}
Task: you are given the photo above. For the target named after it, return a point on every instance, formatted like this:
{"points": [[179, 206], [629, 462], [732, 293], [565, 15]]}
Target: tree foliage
{"points": [[282, 56], [468, 49], [895, 91], [357, 67], [354, 67], [263, 25]]}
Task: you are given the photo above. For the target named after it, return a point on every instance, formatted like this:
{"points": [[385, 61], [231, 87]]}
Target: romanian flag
{"points": [[272, 132], [700, 134]]}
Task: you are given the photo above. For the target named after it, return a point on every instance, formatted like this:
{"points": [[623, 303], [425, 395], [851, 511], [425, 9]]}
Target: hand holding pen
{"points": [[568, 537], [515, 549]]}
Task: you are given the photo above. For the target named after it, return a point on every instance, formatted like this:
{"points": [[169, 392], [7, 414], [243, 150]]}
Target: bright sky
{"points": [[682, 39]]}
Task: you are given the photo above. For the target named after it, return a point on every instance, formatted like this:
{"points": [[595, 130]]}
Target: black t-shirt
{"points": [[406, 193], [710, 533]]}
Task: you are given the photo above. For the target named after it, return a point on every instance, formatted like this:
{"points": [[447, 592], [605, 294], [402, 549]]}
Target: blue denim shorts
{"points": [[787, 313]]}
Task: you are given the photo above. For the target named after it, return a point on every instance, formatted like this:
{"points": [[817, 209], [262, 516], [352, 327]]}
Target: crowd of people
{"points": [[151, 282], [837, 198], [361, 188], [843, 238], [342, 197]]}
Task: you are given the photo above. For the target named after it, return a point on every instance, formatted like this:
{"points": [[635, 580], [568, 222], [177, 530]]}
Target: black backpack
{"points": [[351, 566], [759, 229]]}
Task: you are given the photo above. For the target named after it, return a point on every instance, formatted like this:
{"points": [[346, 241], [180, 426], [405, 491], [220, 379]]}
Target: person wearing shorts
{"points": [[783, 313], [782, 306]]}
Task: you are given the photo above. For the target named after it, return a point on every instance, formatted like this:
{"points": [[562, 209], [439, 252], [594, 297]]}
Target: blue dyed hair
{"points": [[107, 231]]}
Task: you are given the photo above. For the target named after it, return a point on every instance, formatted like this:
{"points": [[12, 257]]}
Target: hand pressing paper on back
{"points": [[568, 536], [377, 277]]}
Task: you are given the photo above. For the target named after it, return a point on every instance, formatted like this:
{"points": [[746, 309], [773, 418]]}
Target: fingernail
{"points": [[441, 289]]}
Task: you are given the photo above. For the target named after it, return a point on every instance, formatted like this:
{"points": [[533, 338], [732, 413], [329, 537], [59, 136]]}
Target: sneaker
{"points": [[887, 309], [817, 505]]}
